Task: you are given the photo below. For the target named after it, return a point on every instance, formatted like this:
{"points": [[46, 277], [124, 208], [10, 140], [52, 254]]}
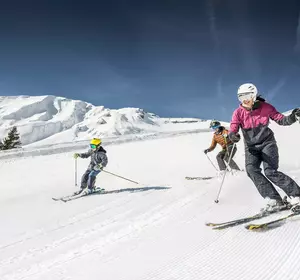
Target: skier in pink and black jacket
{"points": [[252, 117]]}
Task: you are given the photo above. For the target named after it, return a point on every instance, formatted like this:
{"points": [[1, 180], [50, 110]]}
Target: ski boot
{"points": [[295, 204], [93, 190], [296, 209], [273, 205], [287, 203]]}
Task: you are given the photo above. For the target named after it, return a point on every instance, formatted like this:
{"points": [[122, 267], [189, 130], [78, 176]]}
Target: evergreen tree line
{"points": [[12, 141]]}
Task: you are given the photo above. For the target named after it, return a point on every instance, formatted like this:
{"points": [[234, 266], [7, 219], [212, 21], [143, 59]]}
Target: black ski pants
{"points": [[267, 154], [224, 156]]}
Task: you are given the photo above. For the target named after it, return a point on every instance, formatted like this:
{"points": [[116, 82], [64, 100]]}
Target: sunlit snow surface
{"points": [[157, 232]]}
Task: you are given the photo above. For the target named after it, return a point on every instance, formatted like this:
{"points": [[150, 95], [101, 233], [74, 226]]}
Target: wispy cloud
{"points": [[210, 10], [250, 58], [220, 92], [271, 94], [212, 23]]}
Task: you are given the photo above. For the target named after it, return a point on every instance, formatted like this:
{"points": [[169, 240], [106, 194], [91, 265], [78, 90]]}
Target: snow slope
{"points": [[44, 120], [154, 230]]}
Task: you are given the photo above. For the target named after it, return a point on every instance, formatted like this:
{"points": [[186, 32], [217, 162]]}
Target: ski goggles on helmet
{"points": [[215, 127], [245, 96], [93, 146]]}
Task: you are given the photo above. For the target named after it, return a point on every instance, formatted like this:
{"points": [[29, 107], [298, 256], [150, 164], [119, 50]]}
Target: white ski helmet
{"points": [[246, 92]]}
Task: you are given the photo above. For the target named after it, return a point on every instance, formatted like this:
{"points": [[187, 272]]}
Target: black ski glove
{"points": [[206, 151], [296, 112], [234, 137], [294, 116]]}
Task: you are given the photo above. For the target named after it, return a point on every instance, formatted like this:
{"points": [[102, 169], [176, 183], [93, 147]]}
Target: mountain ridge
{"points": [[47, 118]]}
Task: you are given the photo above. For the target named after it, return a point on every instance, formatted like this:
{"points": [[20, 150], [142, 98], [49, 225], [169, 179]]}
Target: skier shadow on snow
{"points": [[132, 190]]}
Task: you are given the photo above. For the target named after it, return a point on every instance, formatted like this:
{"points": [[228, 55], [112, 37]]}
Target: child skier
{"points": [[98, 161], [221, 137], [253, 116]]}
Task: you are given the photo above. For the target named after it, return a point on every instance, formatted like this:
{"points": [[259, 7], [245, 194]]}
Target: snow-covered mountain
{"points": [[50, 119]]}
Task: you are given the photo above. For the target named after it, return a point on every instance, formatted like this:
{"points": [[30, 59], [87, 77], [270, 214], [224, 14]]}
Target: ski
{"points": [[199, 178], [83, 194], [266, 225], [233, 223], [76, 196]]}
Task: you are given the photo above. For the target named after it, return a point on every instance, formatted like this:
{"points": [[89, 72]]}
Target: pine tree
{"points": [[12, 140], [1, 145]]}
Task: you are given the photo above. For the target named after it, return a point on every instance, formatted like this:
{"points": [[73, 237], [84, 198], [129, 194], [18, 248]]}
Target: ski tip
{"points": [[58, 199], [210, 224], [254, 227], [218, 228]]}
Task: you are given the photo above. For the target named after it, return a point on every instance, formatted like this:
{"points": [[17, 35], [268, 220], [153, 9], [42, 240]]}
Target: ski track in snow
{"points": [[152, 217], [146, 235]]}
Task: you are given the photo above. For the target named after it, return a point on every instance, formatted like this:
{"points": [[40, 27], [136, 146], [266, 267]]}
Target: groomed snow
{"points": [[154, 232]]}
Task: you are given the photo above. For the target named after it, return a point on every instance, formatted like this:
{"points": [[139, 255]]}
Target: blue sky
{"points": [[176, 58]]}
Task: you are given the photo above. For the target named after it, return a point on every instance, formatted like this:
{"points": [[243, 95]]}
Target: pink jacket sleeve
{"points": [[280, 118], [274, 114], [235, 123]]}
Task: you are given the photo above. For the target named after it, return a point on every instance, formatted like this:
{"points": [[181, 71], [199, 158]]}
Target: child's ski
{"points": [[76, 196], [199, 178]]}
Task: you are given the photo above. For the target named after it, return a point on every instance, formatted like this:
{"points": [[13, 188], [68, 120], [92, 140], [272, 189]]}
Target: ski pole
{"points": [[230, 158], [212, 163], [120, 176], [227, 163], [75, 172], [217, 199], [227, 166]]}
